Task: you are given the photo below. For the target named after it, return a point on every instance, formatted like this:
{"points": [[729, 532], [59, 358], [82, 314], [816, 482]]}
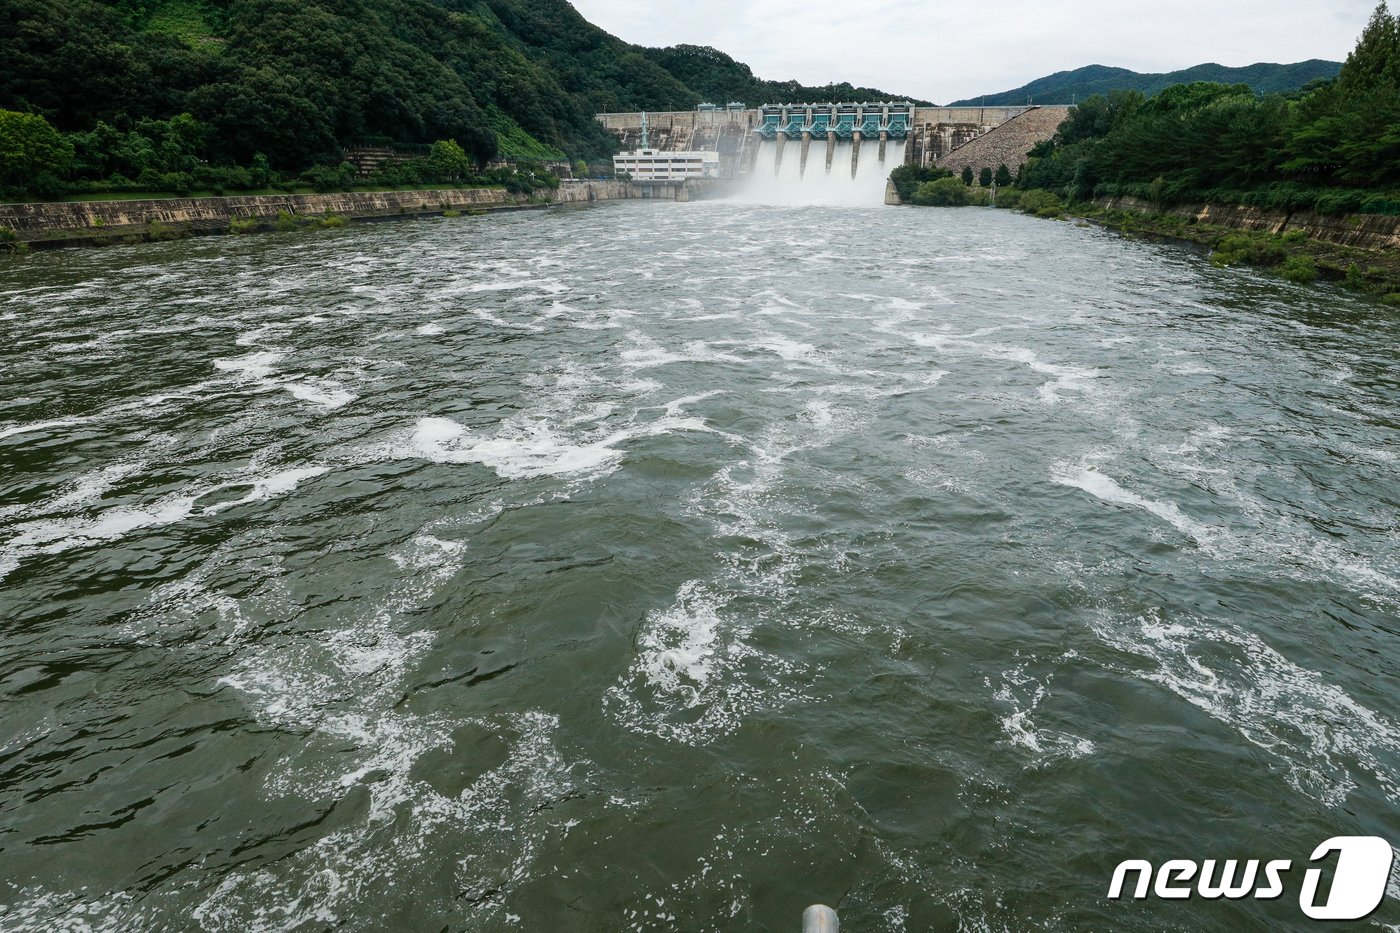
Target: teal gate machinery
{"points": [[843, 121]]}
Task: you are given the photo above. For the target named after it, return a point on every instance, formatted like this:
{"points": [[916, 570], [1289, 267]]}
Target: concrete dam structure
{"points": [[832, 153], [786, 152]]}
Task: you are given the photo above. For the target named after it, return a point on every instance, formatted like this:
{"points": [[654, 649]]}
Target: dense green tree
{"points": [[1098, 116], [1348, 132], [1003, 176], [984, 177], [1375, 62], [33, 155], [449, 160], [967, 176]]}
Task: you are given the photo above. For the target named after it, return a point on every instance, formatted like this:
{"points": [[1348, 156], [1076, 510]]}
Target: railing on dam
{"points": [[845, 121]]}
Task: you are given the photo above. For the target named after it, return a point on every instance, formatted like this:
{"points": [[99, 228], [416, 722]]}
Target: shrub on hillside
{"points": [[1041, 203], [331, 177], [1008, 197], [908, 178], [1250, 250], [1300, 269], [945, 192]]}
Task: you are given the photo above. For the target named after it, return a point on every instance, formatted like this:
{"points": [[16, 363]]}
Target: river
{"points": [[675, 566]]}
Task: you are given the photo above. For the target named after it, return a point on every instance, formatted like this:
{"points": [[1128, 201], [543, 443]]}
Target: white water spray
{"points": [[786, 181]]}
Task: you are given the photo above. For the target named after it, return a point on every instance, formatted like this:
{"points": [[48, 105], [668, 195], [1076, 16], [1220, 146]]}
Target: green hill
{"points": [[1067, 87], [719, 79], [296, 80]]}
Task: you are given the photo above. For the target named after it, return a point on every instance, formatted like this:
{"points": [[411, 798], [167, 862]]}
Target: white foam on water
{"points": [[324, 393], [678, 649], [259, 368], [271, 486], [1321, 737], [794, 351], [430, 330], [519, 450], [411, 827], [1024, 695], [345, 690], [1273, 540], [254, 366], [147, 405], [646, 353], [560, 437], [479, 287], [38, 910], [1084, 381], [494, 319], [291, 684], [13, 429], [1104, 487], [57, 533], [695, 677]]}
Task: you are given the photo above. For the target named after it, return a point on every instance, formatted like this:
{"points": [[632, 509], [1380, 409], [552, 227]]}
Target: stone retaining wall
{"points": [[45, 224], [1363, 231]]}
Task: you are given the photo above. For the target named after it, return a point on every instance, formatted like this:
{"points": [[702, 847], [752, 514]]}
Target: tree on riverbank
{"points": [[32, 153]]}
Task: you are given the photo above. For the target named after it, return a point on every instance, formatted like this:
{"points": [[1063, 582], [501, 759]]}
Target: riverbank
{"points": [[1360, 251], [96, 223]]}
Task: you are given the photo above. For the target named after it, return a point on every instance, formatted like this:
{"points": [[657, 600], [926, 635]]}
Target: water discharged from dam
{"points": [[827, 154], [855, 174], [671, 567]]}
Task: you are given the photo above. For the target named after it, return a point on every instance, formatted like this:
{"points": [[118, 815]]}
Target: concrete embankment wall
{"points": [[1363, 231], [79, 222]]}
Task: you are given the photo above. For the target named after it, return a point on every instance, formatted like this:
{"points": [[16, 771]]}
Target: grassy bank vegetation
{"points": [[1292, 255]]}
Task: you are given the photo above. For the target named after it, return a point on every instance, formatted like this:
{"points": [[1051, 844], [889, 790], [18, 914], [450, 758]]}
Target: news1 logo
{"points": [[1358, 883]]}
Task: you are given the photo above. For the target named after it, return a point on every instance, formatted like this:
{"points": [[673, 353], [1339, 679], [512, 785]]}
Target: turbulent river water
{"points": [[656, 566]]}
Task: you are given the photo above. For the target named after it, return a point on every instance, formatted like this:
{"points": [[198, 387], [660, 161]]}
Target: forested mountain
{"points": [[294, 78], [1068, 87], [720, 79], [294, 81]]}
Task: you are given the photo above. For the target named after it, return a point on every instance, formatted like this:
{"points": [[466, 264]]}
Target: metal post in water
{"points": [[820, 918]]}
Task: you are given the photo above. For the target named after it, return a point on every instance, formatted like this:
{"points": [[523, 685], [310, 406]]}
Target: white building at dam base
{"points": [[661, 165]]}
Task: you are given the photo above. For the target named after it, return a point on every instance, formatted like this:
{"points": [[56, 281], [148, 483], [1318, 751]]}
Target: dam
{"points": [[837, 129], [846, 149]]}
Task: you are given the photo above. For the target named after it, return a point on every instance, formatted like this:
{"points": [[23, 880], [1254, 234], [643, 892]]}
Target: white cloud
{"points": [[957, 50]]}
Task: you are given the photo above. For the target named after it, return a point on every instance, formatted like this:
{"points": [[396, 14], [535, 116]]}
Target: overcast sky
{"points": [[952, 50]]}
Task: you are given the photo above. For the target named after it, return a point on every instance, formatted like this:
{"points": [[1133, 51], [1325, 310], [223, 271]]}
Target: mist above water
{"points": [[780, 178]]}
